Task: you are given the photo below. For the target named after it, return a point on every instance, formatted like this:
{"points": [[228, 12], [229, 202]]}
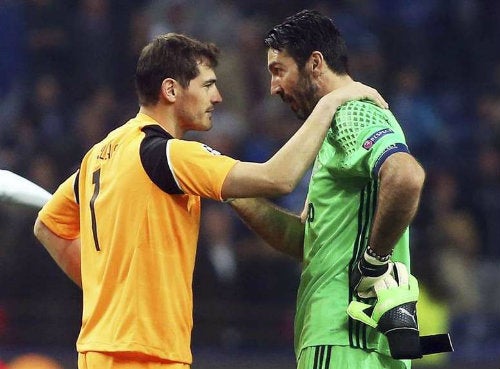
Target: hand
{"points": [[305, 212], [367, 272], [357, 91], [394, 313], [397, 295]]}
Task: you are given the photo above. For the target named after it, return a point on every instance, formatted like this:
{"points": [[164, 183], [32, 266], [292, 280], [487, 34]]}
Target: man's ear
{"points": [[169, 89], [317, 63]]}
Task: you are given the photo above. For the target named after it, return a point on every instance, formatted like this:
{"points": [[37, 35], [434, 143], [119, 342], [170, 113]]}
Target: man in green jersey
{"points": [[363, 194]]}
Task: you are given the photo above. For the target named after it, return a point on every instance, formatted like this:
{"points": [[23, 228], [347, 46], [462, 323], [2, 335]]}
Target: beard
{"points": [[304, 97]]}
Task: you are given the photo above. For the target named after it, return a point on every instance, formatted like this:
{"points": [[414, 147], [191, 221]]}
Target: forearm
{"points": [[296, 156], [66, 253], [282, 230], [292, 161], [281, 174], [401, 181]]}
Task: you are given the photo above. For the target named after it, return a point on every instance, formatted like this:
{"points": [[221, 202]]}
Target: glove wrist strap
{"points": [[373, 258]]}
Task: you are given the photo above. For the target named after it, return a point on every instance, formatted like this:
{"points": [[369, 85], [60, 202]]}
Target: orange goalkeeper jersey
{"points": [[138, 194]]}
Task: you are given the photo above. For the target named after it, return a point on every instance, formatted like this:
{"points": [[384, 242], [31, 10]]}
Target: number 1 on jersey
{"points": [[96, 176]]}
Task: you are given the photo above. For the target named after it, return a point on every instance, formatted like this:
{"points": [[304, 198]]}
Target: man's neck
{"points": [[164, 119], [332, 81]]}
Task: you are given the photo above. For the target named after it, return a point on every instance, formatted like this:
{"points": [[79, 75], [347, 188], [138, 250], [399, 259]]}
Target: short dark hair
{"points": [[174, 56], [307, 31]]}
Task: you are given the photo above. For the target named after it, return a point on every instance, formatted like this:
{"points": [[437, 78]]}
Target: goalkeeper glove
{"points": [[394, 314], [367, 271]]}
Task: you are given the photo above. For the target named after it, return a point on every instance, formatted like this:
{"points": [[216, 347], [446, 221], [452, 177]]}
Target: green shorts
{"points": [[345, 357]]}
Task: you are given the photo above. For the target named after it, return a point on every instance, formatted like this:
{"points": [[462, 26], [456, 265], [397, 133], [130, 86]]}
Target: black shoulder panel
{"points": [[153, 153], [76, 188]]}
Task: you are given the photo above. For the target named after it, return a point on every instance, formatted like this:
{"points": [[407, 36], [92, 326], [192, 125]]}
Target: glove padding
{"points": [[367, 272], [394, 314]]}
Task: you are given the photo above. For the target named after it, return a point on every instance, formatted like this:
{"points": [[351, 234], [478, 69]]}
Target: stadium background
{"points": [[66, 70]]}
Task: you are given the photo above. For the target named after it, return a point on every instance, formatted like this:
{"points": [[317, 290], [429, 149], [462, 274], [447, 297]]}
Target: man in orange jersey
{"points": [[125, 226]]}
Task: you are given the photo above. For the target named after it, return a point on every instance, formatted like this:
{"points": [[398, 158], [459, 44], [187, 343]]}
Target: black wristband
{"points": [[381, 258]]}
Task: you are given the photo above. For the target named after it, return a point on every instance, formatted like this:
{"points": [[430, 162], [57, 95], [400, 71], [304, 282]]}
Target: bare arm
{"points": [[401, 182], [282, 230], [66, 253], [281, 174]]}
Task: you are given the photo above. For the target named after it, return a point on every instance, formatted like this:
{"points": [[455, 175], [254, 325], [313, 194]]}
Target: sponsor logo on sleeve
{"points": [[370, 141]]}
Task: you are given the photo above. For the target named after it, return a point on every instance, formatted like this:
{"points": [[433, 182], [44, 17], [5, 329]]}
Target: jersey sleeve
{"points": [[366, 136], [198, 169], [61, 213]]}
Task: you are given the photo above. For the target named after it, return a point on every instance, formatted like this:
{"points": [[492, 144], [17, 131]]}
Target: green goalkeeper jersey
{"points": [[342, 198]]}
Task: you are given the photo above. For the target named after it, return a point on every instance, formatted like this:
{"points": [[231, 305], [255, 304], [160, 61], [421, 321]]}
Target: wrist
{"points": [[328, 105], [372, 257]]}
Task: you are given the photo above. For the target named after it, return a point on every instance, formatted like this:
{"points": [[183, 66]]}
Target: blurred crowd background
{"points": [[66, 78]]}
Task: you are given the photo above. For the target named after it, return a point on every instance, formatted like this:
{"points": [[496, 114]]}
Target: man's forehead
{"points": [[205, 65], [206, 69], [275, 56]]}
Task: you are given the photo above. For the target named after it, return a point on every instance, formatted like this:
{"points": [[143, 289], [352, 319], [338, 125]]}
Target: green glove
{"points": [[394, 314]]}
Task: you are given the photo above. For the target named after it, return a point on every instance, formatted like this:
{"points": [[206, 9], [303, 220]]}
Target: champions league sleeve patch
{"points": [[210, 150], [370, 141], [391, 149]]}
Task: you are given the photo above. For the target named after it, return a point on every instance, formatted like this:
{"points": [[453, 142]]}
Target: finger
{"points": [[385, 284], [382, 103], [374, 95], [379, 100], [305, 212]]}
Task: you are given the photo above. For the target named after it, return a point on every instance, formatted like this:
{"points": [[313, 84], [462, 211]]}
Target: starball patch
{"points": [[370, 141]]}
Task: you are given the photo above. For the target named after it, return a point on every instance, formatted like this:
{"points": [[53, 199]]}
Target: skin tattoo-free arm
{"points": [[66, 253], [281, 174], [401, 180], [281, 229]]}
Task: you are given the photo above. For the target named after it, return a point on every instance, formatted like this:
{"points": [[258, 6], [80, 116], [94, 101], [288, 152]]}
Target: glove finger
{"points": [[367, 294], [365, 287], [385, 284]]}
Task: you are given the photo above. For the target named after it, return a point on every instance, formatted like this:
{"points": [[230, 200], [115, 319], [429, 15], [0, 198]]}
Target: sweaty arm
{"points": [[58, 230], [281, 174], [281, 229], [401, 179]]}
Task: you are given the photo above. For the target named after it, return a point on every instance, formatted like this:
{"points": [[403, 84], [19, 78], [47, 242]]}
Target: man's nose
{"points": [[217, 98], [275, 87]]}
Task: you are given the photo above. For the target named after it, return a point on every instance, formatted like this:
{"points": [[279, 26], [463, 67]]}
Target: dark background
{"points": [[66, 78]]}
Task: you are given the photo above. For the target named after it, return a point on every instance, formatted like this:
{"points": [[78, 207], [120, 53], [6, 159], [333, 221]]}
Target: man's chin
{"points": [[203, 128]]}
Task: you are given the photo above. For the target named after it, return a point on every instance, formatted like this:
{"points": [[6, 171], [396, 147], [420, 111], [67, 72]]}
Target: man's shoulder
{"points": [[361, 111], [360, 115]]}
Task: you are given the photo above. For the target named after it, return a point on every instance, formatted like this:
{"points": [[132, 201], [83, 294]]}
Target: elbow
{"points": [[274, 186], [278, 181], [287, 188], [418, 178], [37, 228], [413, 180], [284, 187], [403, 172]]}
